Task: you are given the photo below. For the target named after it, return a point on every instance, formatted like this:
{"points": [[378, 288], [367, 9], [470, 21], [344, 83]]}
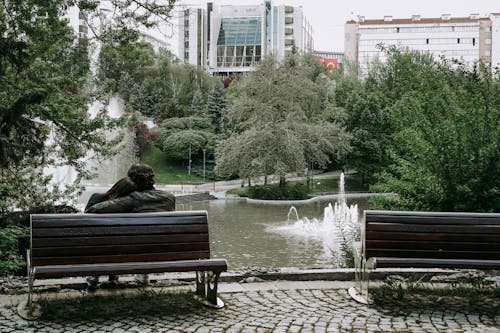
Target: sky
{"points": [[328, 17]]}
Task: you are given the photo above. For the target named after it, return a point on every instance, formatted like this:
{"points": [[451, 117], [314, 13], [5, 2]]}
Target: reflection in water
{"points": [[248, 234]]}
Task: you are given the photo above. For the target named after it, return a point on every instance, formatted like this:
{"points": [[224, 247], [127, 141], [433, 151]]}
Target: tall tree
{"points": [[44, 72], [275, 123], [216, 106]]}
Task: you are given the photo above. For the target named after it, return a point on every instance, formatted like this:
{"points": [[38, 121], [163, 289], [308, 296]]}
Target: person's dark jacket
{"points": [[137, 202], [95, 198]]}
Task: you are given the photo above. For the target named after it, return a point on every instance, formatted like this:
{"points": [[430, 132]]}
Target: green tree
{"points": [[445, 134], [44, 121], [276, 123]]}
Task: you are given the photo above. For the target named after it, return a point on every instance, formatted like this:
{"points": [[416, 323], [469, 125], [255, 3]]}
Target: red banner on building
{"points": [[329, 63]]}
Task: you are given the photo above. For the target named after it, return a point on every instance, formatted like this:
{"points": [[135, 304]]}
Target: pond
{"points": [[256, 234]]}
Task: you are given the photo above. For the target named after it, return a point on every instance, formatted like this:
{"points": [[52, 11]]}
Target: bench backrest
{"points": [[433, 235], [65, 239]]}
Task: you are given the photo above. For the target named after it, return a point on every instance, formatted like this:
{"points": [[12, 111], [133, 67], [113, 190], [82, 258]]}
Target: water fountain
{"points": [[337, 230]]}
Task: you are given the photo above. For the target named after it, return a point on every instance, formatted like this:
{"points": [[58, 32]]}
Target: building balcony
{"points": [[288, 9], [288, 20], [288, 31], [289, 42]]}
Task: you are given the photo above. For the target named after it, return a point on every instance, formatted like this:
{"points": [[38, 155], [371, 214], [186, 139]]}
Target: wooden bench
{"points": [[424, 240], [71, 245]]}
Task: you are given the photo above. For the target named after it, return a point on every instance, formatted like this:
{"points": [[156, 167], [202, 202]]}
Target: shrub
{"points": [[11, 238], [275, 192]]}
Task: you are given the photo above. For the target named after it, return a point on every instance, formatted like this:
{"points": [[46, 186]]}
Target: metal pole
{"points": [[189, 165], [204, 151]]}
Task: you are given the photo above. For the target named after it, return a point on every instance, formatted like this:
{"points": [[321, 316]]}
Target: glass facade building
{"points": [[228, 39]]}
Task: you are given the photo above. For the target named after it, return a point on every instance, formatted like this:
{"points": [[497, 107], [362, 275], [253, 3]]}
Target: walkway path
{"points": [[225, 185], [280, 306]]}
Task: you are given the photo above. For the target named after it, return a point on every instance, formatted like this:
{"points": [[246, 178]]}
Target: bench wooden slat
{"points": [[418, 253], [444, 237], [118, 240], [93, 221], [119, 249], [194, 255], [429, 263], [120, 230], [426, 245], [411, 228], [434, 220], [45, 272]]}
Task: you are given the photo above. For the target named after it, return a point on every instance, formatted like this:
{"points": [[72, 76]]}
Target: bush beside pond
{"points": [[275, 192]]}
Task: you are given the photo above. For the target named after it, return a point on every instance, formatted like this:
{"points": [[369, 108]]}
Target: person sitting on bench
{"points": [[145, 199]]}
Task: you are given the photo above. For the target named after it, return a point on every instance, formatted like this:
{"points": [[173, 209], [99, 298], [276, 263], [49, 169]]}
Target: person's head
{"points": [[121, 188], [142, 175]]}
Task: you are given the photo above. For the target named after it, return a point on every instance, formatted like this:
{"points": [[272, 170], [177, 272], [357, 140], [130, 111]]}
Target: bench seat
{"points": [[59, 271]]}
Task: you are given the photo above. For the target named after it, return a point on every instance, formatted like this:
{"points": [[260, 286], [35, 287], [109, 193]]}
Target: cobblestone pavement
{"points": [[316, 306]]}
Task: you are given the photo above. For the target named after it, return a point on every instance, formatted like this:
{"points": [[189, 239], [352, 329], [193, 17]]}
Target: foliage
{"points": [[44, 95], [172, 89], [276, 192], [275, 122], [444, 146], [411, 294], [179, 136], [10, 239], [122, 62]]}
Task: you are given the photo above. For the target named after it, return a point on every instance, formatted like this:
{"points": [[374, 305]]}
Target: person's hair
{"points": [[142, 175], [121, 188]]}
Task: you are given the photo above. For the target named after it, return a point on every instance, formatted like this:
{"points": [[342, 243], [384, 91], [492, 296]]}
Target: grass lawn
{"points": [[166, 172]]}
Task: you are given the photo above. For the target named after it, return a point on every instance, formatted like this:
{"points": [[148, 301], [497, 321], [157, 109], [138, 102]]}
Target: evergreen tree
{"points": [[216, 107], [197, 104]]}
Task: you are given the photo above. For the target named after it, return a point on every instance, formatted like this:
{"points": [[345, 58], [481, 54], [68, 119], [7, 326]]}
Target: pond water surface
{"points": [[254, 234]]}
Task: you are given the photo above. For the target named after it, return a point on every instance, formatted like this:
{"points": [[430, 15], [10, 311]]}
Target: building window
{"points": [[487, 41], [458, 40], [487, 53], [427, 41], [473, 41]]}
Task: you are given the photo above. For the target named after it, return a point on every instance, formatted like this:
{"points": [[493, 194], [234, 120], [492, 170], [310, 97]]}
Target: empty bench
{"points": [[71, 245], [425, 240]]}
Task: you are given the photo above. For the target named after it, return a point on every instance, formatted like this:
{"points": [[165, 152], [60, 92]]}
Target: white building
{"points": [[469, 39], [227, 39], [85, 27]]}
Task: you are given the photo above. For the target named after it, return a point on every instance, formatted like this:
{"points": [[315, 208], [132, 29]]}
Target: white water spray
{"points": [[337, 230]]}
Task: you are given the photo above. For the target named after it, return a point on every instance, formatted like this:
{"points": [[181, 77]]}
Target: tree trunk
{"points": [[282, 181], [265, 180]]}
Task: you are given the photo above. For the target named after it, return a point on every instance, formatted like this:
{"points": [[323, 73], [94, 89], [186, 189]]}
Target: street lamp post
{"points": [[204, 151], [189, 163]]}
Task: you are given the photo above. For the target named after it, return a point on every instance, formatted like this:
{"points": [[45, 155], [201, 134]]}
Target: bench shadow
{"points": [[118, 303]]}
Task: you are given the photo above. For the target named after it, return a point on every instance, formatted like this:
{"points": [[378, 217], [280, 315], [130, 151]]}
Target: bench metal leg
{"points": [[26, 309], [206, 288], [212, 282], [360, 292], [200, 284]]}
